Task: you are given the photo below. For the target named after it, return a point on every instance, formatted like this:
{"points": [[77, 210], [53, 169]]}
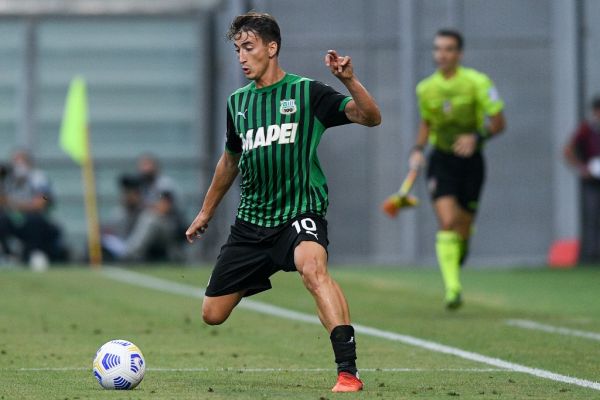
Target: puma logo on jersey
{"points": [[287, 107], [242, 114], [284, 134]]}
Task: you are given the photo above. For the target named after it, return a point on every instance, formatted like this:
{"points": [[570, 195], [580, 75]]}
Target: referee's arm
{"points": [[225, 173], [416, 159], [496, 123]]}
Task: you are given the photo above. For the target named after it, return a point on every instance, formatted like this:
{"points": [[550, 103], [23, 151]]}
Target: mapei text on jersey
{"points": [[284, 134]]}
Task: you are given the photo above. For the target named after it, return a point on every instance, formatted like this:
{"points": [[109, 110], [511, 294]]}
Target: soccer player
{"points": [[454, 103], [274, 125]]}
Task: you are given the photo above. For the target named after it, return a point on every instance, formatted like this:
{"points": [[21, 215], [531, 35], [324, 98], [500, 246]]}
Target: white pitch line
{"points": [[527, 324], [259, 370], [141, 280]]}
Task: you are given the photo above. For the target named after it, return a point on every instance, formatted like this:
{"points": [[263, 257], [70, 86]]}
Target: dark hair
{"points": [[262, 24], [456, 35], [596, 103], [130, 182]]}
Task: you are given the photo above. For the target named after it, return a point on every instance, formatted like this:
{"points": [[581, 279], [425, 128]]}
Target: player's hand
{"points": [[416, 160], [465, 145], [339, 66], [197, 228]]}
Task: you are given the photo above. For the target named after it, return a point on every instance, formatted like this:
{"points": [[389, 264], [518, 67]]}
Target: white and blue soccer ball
{"points": [[119, 364]]}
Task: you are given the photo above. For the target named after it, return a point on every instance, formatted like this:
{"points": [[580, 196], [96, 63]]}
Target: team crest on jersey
{"points": [[447, 107], [287, 107]]}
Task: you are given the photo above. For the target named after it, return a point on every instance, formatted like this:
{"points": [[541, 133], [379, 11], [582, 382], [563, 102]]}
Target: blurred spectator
{"points": [[583, 153], [25, 202], [4, 247], [123, 218], [147, 226]]}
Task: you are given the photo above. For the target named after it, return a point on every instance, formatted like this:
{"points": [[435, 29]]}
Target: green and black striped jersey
{"points": [[276, 130]]}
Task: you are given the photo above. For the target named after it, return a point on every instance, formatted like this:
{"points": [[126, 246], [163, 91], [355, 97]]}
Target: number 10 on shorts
{"points": [[307, 224]]}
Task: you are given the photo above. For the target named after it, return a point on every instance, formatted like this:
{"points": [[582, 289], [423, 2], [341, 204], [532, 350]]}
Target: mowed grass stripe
{"points": [[150, 282]]}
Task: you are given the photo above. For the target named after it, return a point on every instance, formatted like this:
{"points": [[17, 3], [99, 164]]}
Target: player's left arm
{"points": [[362, 109], [492, 105], [496, 124]]}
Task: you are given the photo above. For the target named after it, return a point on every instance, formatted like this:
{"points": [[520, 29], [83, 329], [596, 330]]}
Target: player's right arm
{"points": [[225, 173], [417, 156]]}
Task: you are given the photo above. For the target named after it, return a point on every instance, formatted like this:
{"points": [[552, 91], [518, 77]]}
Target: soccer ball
{"points": [[119, 364]]}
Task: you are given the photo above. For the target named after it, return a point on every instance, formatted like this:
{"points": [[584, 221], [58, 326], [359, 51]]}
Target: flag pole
{"points": [[91, 206], [75, 141]]}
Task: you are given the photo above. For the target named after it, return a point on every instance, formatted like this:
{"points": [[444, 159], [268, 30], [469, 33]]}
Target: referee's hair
{"points": [[262, 24], [453, 33]]}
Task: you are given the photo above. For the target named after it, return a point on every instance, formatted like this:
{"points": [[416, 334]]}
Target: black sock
{"points": [[344, 348], [464, 252]]}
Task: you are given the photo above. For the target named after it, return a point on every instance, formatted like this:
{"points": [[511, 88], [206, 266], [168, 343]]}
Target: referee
{"points": [[460, 111], [274, 125]]}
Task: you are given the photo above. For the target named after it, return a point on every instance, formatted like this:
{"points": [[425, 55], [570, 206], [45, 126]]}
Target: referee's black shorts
{"points": [[253, 253], [459, 177]]}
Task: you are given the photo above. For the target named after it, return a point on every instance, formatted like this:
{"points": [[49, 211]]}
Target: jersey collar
{"points": [[286, 78], [440, 76]]}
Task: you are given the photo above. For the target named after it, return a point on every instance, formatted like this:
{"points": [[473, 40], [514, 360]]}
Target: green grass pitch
{"points": [[51, 325]]}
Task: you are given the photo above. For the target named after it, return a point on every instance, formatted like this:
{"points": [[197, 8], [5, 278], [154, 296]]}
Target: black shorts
{"points": [[462, 178], [253, 253]]}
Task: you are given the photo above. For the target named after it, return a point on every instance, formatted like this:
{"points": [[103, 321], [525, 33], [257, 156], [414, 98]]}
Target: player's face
{"points": [[446, 53], [253, 54]]}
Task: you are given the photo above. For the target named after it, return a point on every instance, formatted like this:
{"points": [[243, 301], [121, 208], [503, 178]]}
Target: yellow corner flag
{"points": [[75, 141], [74, 129]]}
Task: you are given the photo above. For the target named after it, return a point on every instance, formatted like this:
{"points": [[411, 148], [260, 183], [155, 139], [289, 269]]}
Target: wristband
{"points": [[482, 136], [417, 147]]}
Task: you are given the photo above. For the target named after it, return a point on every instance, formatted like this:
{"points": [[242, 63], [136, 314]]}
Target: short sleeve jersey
{"points": [[457, 105], [276, 130]]}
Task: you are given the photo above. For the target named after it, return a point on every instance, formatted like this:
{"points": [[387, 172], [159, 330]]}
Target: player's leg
{"points": [[589, 222], [470, 187], [311, 262], [310, 259], [216, 310], [448, 247], [456, 219], [464, 227], [242, 269], [443, 177]]}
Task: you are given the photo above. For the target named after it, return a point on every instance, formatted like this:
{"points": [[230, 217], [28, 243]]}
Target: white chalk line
{"points": [[142, 280], [270, 370], [536, 326]]}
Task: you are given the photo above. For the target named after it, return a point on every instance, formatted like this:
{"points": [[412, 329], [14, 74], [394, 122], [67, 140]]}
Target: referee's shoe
{"points": [[347, 383]]}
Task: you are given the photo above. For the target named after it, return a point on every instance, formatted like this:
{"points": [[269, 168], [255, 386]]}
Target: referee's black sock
{"points": [[464, 251], [344, 348]]}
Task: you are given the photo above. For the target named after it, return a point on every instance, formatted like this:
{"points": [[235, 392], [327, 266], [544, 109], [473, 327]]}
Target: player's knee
{"points": [[211, 316], [213, 319]]}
